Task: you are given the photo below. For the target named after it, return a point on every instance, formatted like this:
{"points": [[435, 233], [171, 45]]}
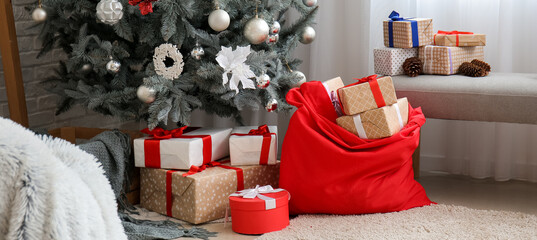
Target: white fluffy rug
{"points": [[430, 222]]}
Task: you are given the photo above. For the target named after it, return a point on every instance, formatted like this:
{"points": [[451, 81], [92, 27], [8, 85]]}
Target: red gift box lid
{"points": [[256, 204]]}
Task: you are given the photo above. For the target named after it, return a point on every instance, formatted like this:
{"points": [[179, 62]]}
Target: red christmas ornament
{"points": [[145, 6]]}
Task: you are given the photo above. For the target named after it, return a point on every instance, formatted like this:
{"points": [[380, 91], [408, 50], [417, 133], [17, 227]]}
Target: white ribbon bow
{"points": [[270, 203]]}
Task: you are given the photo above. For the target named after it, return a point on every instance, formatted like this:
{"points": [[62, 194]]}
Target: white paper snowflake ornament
{"points": [[168, 61], [233, 62]]}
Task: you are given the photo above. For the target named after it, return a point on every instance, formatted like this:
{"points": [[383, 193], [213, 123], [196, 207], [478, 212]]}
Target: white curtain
{"points": [[348, 30]]}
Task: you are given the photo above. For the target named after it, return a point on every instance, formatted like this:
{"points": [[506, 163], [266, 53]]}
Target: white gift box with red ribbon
{"points": [[195, 147], [255, 149]]}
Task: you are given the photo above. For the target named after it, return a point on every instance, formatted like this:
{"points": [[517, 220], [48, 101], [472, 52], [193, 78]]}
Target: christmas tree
{"points": [[161, 59]]}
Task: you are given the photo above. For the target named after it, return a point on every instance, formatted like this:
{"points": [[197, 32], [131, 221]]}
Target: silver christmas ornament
{"points": [[86, 68], [109, 11], [272, 39], [275, 28], [271, 105], [308, 35], [39, 14], [256, 30], [197, 52], [146, 94], [219, 20], [263, 81], [301, 77], [310, 3], [113, 66]]}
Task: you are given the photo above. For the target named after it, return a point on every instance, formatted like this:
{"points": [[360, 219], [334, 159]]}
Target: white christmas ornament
{"points": [[256, 30], [109, 11], [146, 94], [233, 62], [168, 61], [39, 14], [308, 35], [310, 3], [219, 20], [301, 77]]}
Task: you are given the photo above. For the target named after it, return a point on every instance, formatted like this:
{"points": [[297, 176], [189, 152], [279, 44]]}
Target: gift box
{"points": [[368, 93], [259, 210], [459, 39], [202, 196], [194, 147], [389, 61], [444, 60], [407, 32], [331, 86], [377, 123], [253, 146]]}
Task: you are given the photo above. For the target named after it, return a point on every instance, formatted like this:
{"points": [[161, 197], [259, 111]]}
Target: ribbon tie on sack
{"points": [[270, 203], [264, 131], [450, 33], [394, 17]]}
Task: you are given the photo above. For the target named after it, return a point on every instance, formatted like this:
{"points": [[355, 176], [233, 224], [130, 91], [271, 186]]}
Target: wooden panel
{"points": [[11, 62]]}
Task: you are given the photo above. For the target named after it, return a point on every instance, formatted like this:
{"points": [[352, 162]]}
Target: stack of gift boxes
{"points": [[441, 53], [190, 173], [368, 108]]}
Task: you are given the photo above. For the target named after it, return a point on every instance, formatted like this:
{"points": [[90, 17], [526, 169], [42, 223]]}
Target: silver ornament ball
{"points": [[272, 39], [256, 30], [113, 66], [301, 77], [146, 94], [263, 81], [39, 14], [219, 20], [272, 105], [109, 11], [197, 52], [86, 68], [308, 35], [275, 28], [310, 3]]}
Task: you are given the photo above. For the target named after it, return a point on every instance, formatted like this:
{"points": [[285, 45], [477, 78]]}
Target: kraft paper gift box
{"points": [[331, 86], [202, 196], [377, 123], [459, 39], [192, 148], [444, 60], [407, 32], [255, 149], [357, 98], [389, 61]]}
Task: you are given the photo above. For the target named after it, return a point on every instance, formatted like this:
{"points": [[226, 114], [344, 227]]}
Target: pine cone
{"points": [[413, 66], [472, 70], [481, 64]]}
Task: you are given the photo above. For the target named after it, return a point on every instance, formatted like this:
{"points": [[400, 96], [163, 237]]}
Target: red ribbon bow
{"points": [[450, 33], [159, 133], [375, 89], [145, 6], [261, 130]]}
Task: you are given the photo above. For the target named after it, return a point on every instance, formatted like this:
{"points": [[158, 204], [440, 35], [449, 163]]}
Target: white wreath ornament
{"points": [[171, 51]]}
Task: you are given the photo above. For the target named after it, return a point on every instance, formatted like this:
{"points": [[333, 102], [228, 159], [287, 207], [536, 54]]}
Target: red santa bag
{"points": [[330, 170]]}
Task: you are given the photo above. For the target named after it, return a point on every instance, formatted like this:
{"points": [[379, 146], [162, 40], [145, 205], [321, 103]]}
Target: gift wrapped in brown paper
{"points": [[407, 32], [202, 196], [459, 39], [389, 61], [444, 60], [331, 86], [366, 94], [377, 123]]}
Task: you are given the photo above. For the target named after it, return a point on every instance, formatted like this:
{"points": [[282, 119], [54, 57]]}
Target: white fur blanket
{"points": [[50, 189]]}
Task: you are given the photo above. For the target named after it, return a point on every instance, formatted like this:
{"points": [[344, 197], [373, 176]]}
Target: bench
{"points": [[498, 97]]}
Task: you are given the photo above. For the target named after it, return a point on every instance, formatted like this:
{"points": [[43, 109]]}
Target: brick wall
{"points": [[40, 103]]}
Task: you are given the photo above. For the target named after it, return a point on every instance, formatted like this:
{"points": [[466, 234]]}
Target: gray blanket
{"points": [[113, 150]]}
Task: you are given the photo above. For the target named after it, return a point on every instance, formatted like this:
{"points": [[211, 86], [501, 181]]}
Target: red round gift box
{"points": [[248, 216]]}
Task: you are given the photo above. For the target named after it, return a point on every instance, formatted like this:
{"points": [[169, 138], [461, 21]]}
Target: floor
{"points": [[450, 189]]}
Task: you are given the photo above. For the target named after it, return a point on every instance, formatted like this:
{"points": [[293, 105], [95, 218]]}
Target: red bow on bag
{"points": [[450, 33], [145, 6], [159, 133]]}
